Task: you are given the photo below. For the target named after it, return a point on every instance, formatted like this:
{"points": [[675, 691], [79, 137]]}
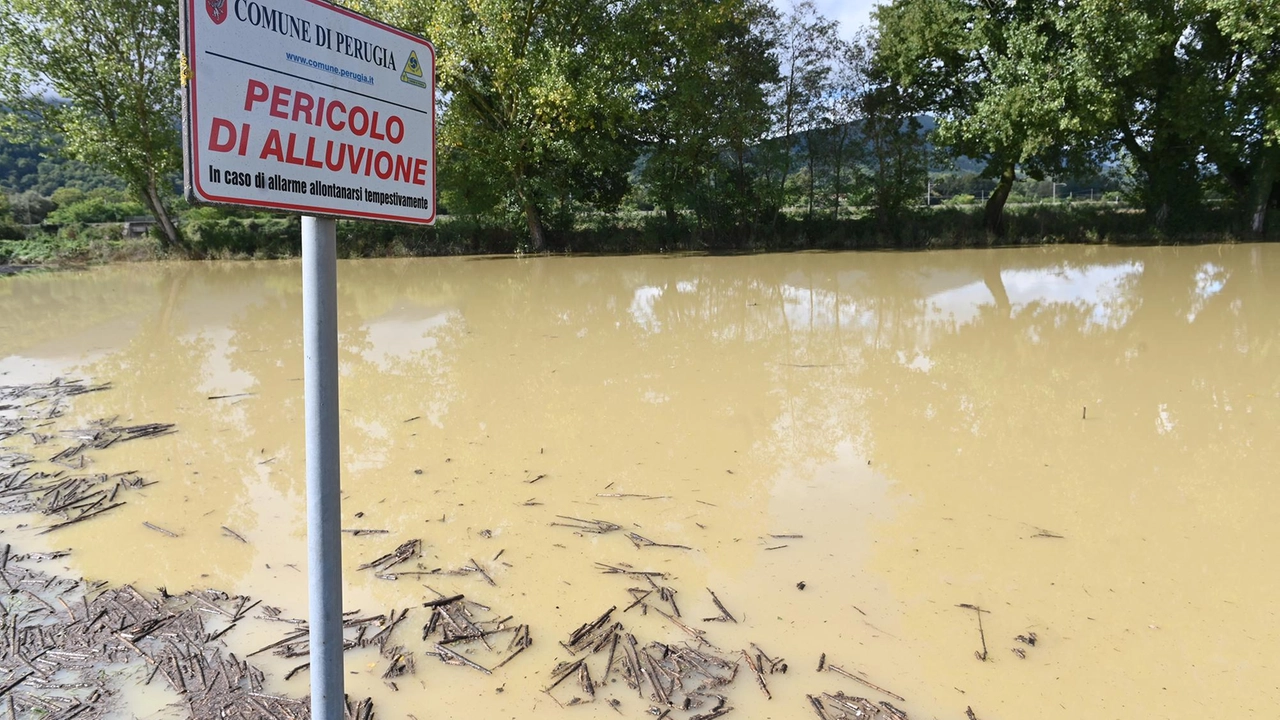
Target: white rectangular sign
{"points": [[304, 106]]}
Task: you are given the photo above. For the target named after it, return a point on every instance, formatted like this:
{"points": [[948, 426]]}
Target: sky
{"points": [[852, 14]]}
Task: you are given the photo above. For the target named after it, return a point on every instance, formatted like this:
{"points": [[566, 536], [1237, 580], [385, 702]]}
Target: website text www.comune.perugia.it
{"points": [[300, 148]]}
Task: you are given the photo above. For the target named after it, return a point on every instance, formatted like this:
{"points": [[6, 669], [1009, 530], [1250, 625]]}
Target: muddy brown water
{"points": [[929, 423]]}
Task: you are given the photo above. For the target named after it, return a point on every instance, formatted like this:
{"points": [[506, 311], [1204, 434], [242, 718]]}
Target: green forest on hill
{"points": [[643, 125]]}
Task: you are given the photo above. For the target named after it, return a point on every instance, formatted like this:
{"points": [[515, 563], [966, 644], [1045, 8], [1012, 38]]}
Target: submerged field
{"points": [[781, 457]]}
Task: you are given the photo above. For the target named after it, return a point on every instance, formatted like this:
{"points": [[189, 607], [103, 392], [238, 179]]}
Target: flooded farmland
{"points": [[851, 451]]}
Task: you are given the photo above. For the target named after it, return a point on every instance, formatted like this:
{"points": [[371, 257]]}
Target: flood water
{"points": [[1081, 441]]}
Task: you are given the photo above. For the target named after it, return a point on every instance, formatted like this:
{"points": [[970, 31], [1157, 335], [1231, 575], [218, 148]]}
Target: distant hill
{"points": [[961, 164], [32, 167]]}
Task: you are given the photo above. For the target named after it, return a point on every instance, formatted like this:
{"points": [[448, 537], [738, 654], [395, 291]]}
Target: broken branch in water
{"points": [[868, 683], [483, 574], [442, 601], [724, 612], [981, 633], [624, 569], [406, 551], [599, 527], [159, 529], [81, 518], [759, 675], [453, 658], [640, 542]]}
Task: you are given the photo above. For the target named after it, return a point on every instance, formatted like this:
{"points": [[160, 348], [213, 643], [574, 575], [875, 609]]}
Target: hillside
{"points": [[32, 167]]}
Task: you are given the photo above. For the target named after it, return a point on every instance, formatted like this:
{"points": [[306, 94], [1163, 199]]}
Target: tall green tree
{"points": [[804, 45], [538, 101], [840, 113], [890, 137], [703, 67], [113, 65], [1241, 76], [1139, 64], [994, 75]]}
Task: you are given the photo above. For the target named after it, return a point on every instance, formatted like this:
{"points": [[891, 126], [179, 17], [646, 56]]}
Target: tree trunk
{"points": [[993, 218], [1171, 186], [995, 284], [839, 171], [171, 238], [1260, 188], [809, 138], [537, 235]]}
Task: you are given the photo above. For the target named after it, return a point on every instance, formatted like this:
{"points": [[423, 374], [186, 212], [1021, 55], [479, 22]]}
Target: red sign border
{"points": [[191, 151]]}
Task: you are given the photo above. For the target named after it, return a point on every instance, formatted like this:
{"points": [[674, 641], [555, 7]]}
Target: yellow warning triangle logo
{"points": [[412, 73]]}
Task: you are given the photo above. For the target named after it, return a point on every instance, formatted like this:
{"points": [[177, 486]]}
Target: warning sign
{"points": [[413, 71], [305, 106]]}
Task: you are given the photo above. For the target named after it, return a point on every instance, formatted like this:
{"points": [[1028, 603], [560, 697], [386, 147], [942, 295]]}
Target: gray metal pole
{"points": [[324, 543]]}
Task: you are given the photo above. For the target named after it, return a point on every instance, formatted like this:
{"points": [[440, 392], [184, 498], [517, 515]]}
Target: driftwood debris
{"points": [[459, 636], [454, 632], [597, 527], [725, 615], [671, 680], [408, 550], [65, 499], [480, 569], [839, 706], [641, 541], [759, 674], [982, 634], [625, 569], [54, 660], [103, 434], [66, 496], [841, 671], [160, 530]]}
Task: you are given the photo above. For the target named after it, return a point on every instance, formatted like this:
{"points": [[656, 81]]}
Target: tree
{"points": [[805, 42], [840, 113], [114, 66], [30, 207], [1244, 70], [890, 133], [537, 102], [1138, 64], [67, 196], [702, 69], [9, 229], [993, 74]]}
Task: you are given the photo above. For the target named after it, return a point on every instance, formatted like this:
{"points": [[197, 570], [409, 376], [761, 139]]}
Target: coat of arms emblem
{"points": [[217, 10]]}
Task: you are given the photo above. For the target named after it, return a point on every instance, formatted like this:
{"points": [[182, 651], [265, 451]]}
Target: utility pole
{"points": [[1054, 188]]}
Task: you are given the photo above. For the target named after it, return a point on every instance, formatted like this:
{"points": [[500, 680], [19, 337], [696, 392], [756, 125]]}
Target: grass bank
{"points": [[630, 232]]}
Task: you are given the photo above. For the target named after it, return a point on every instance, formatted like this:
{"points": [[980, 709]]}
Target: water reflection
{"points": [[918, 418]]}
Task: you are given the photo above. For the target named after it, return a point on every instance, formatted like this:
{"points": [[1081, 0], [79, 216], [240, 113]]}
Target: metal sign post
{"points": [[324, 540], [303, 106]]}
